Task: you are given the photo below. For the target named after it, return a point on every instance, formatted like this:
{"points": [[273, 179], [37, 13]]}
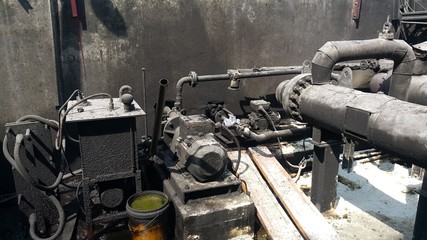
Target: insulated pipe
{"points": [[389, 124], [418, 90], [233, 76], [274, 134], [337, 51], [159, 114]]}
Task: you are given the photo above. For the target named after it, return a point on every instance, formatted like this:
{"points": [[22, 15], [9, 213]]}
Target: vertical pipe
{"points": [[144, 92], [159, 113]]}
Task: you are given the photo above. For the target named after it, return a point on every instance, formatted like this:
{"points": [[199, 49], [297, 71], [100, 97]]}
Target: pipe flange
{"points": [[193, 76], [289, 94]]}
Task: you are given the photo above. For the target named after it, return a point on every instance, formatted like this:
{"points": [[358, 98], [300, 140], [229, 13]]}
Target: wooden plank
{"points": [[305, 215], [271, 215]]}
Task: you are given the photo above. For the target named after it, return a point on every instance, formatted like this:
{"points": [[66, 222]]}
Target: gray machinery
{"points": [[207, 198], [388, 123], [109, 171], [37, 170], [203, 187]]}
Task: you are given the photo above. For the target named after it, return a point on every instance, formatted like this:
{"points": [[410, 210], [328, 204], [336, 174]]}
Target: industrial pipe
{"points": [[233, 76], [159, 114], [274, 134], [337, 51], [389, 124], [418, 90]]}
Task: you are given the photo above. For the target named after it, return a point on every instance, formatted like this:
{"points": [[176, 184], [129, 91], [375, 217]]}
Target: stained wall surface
{"points": [[47, 50]]}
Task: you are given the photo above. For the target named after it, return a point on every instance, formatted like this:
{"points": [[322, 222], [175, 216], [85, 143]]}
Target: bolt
{"points": [[186, 186]]}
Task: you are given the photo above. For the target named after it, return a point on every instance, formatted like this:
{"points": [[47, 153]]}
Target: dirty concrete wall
{"points": [[27, 67], [170, 38], [47, 51]]}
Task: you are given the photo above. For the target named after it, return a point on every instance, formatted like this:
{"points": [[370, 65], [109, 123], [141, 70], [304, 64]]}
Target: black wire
{"points": [[77, 197], [68, 165], [278, 138], [239, 150]]}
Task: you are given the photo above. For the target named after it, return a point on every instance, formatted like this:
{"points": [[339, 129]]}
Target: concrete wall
{"points": [[46, 53], [27, 67]]}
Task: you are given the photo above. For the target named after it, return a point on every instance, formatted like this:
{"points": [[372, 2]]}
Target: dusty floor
{"points": [[378, 200]]}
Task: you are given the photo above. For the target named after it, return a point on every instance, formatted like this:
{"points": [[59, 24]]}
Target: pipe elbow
{"points": [[179, 85], [397, 50], [323, 62], [404, 59]]}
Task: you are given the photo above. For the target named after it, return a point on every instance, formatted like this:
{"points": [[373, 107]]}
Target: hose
{"points": [[72, 174], [7, 155], [239, 149], [51, 123], [69, 98], [278, 138], [61, 221], [21, 169], [58, 140]]}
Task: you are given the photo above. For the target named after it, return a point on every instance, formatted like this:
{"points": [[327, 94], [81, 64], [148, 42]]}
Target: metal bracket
{"points": [[234, 79], [194, 79], [356, 10], [346, 78], [348, 154]]}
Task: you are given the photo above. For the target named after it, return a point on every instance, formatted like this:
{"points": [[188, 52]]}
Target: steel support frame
{"points": [[327, 148], [420, 226]]}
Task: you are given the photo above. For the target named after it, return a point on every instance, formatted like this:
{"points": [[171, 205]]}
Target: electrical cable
{"points": [[61, 221], [51, 123], [69, 99], [59, 137], [77, 197], [68, 167], [239, 150], [261, 108], [6, 153], [67, 134], [72, 174]]}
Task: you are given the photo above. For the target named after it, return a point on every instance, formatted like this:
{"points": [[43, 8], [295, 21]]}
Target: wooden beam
{"points": [[304, 214], [271, 215]]}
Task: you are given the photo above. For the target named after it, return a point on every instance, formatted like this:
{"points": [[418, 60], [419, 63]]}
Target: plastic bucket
{"points": [[147, 215]]}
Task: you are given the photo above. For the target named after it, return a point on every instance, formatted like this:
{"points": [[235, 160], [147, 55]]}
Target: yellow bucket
{"points": [[147, 215]]}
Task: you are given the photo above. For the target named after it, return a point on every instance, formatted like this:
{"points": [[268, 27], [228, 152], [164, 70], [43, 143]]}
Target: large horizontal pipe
{"points": [[337, 51], [389, 124], [193, 78], [417, 92], [275, 134]]}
